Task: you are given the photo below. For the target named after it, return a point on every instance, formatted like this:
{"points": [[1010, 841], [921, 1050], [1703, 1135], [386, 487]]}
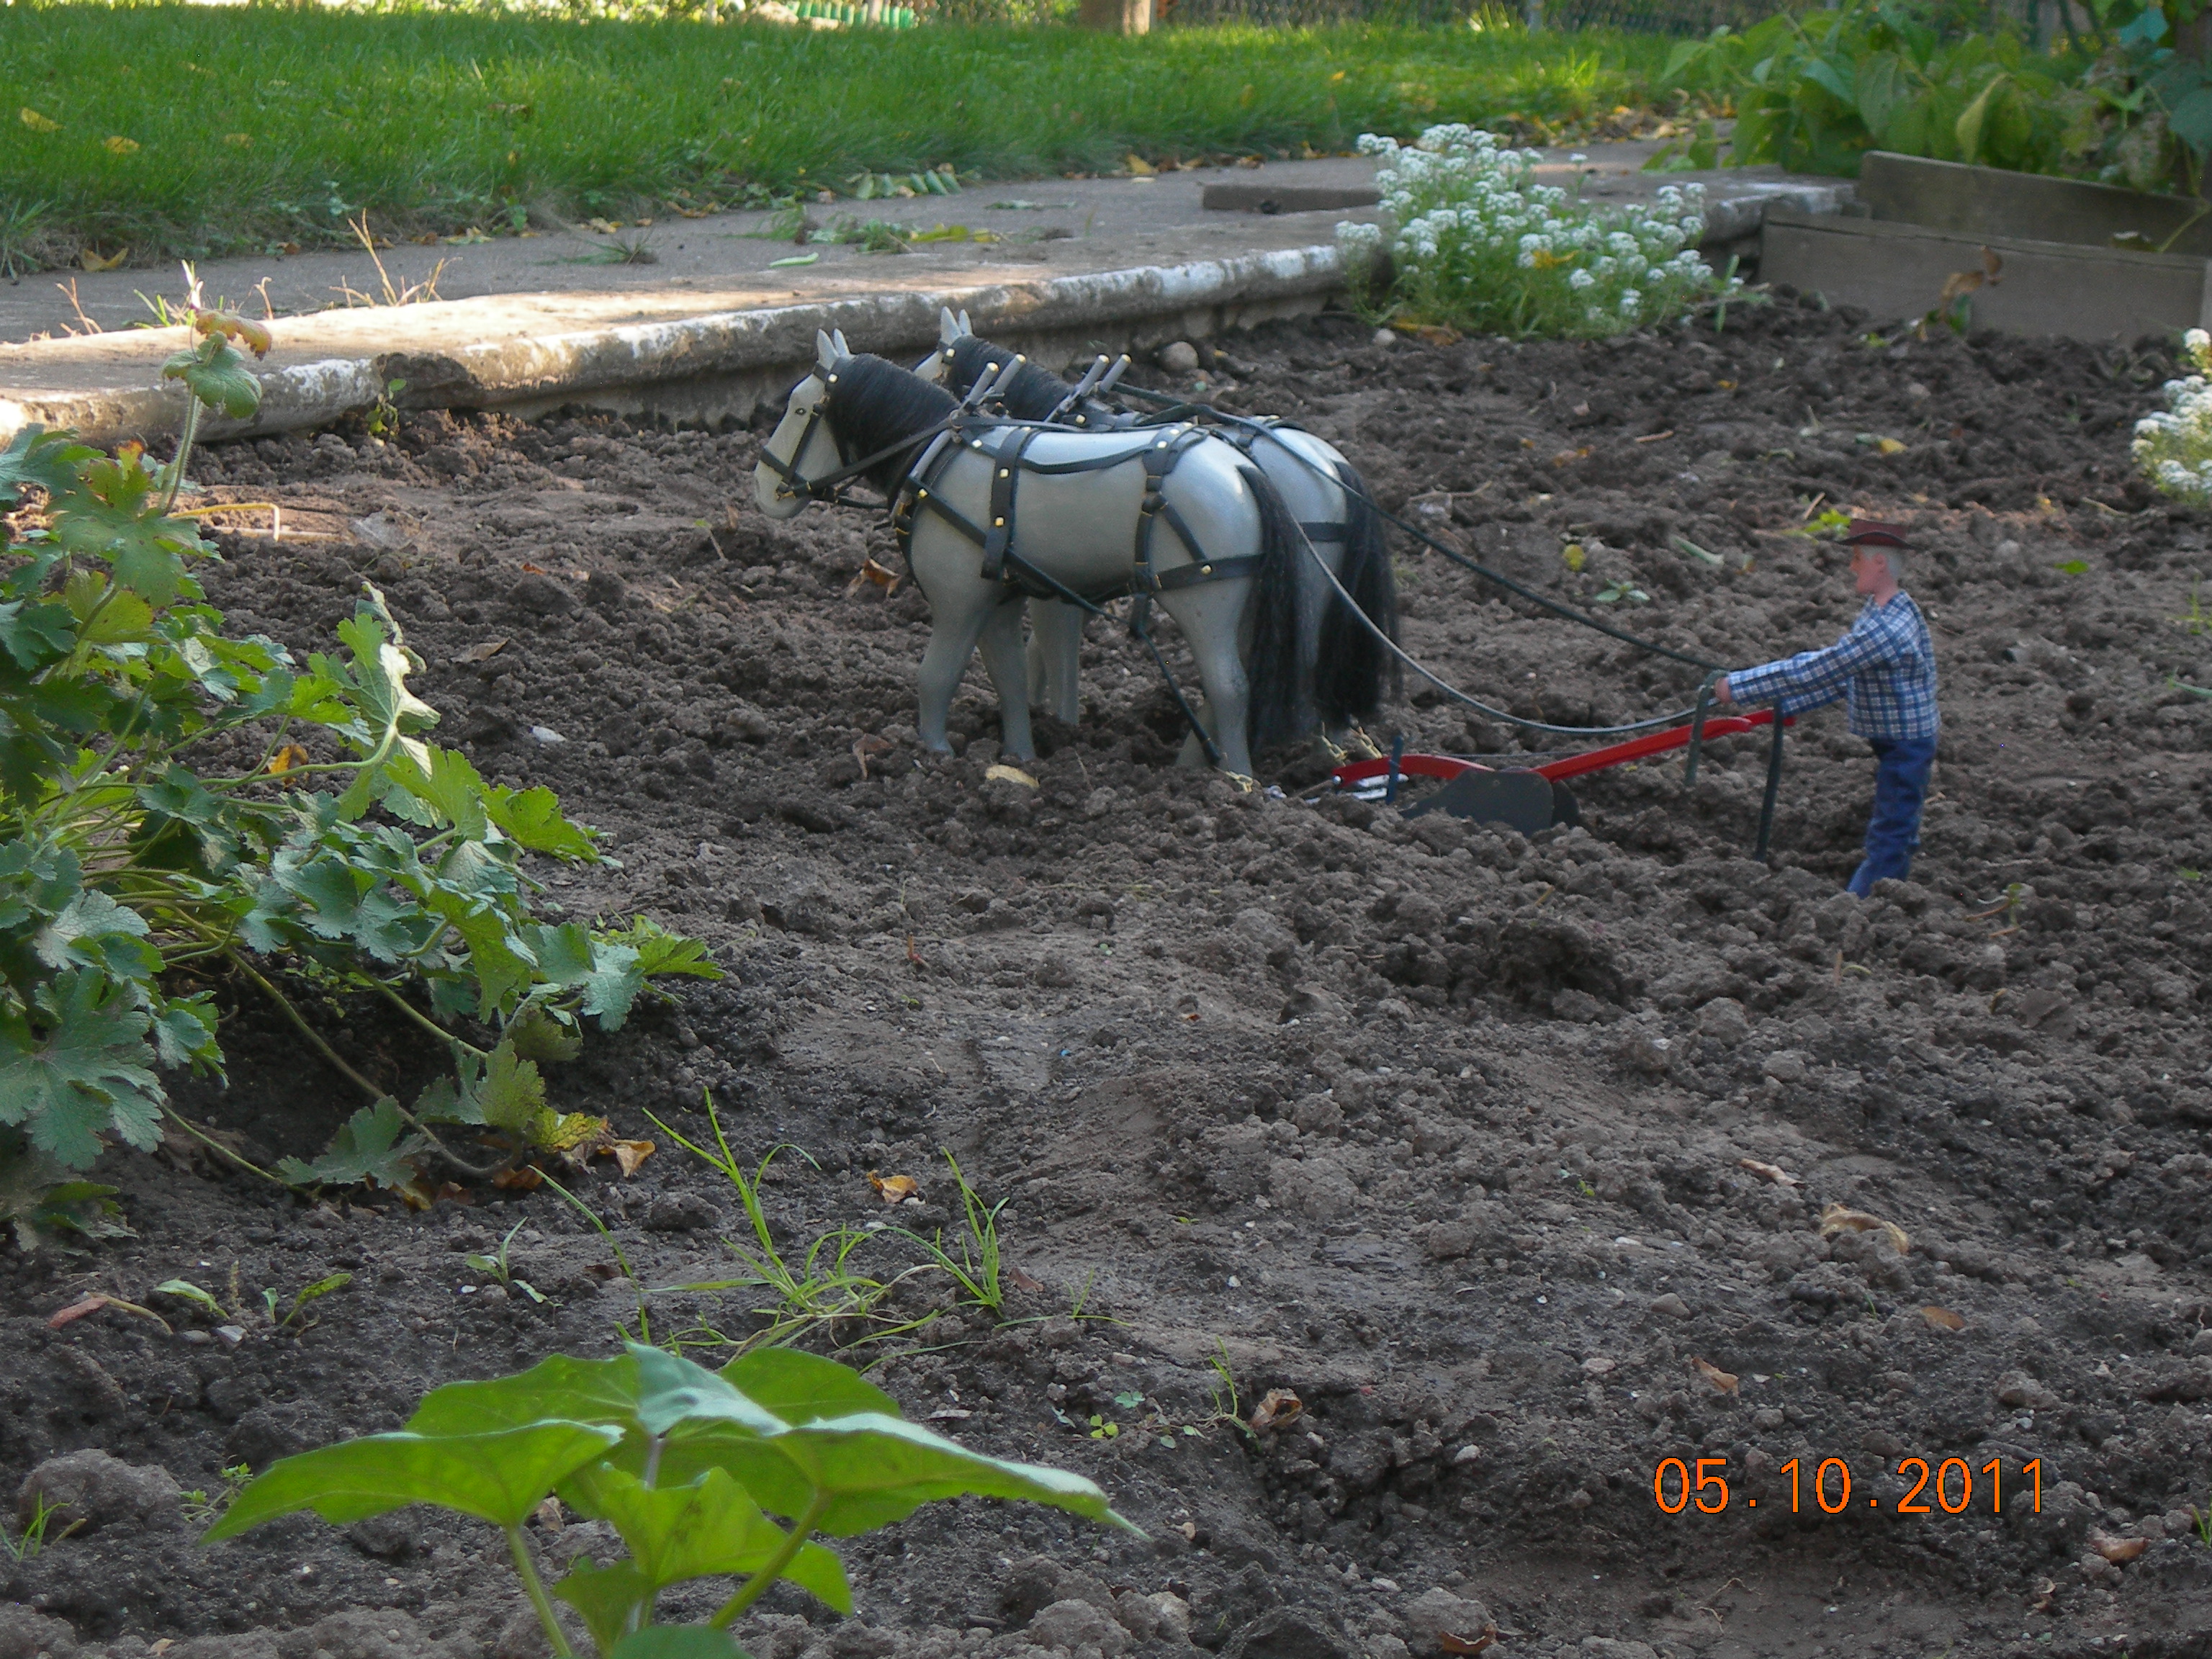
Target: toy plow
{"points": [[1525, 799]]}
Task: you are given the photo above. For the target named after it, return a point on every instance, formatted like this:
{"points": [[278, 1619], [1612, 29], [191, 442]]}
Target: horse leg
{"points": [[1210, 616], [1055, 658], [951, 642], [1003, 661]]}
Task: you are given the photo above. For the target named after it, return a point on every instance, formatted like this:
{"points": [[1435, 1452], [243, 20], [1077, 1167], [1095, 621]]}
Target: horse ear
{"points": [[826, 351], [838, 337], [949, 327], [964, 327]]}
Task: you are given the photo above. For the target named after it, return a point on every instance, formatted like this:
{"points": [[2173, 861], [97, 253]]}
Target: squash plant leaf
{"points": [[708, 1528], [216, 374], [676, 1641], [804, 1388], [500, 1477]]}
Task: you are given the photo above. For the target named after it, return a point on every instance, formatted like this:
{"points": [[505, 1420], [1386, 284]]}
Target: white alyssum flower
{"points": [[2173, 446]]}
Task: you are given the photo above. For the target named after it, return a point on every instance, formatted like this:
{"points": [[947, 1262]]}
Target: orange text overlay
{"points": [[1951, 1486]]}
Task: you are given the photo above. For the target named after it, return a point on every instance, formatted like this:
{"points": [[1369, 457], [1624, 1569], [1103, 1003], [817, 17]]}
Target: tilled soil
{"points": [[1507, 1156]]}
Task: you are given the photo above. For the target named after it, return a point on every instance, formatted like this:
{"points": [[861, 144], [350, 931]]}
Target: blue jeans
{"points": [[1900, 789]]}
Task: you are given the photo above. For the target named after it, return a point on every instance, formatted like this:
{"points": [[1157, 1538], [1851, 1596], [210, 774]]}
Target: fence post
{"points": [[1116, 16]]}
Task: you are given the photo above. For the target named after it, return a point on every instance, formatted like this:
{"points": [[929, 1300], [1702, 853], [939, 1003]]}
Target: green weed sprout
{"points": [[497, 1266], [977, 1271], [686, 1464], [33, 1540], [822, 1287]]}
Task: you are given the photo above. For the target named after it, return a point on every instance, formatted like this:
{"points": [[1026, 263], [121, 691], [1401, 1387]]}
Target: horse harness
{"points": [[914, 492]]}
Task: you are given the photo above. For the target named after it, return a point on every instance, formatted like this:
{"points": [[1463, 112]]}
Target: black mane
{"points": [[875, 404], [1034, 392]]}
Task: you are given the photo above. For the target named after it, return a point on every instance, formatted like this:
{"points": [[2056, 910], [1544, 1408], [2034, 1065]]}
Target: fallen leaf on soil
{"points": [[535, 569], [2045, 1593], [1006, 773], [1773, 1172], [1448, 1642], [1280, 1407], [454, 1193], [1943, 1319], [1888, 447], [1024, 1282], [881, 575], [2118, 1551], [92, 261], [894, 1190], [867, 749], [1842, 1218], [528, 1179], [1140, 168], [1599, 1366], [290, 756], [485, 652], [1433, 334], [76, 1311], [628, 1153], [1724, 1381]]}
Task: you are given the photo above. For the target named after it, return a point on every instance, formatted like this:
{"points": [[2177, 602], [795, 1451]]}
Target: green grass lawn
{"points": [[181, 130]]}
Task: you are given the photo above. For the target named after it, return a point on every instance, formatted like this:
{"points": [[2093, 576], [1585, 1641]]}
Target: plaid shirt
{"points": [[1884, 669]]}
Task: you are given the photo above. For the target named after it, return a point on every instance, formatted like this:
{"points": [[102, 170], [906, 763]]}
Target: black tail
{"points": [[1271, 670], [1352, 670]]}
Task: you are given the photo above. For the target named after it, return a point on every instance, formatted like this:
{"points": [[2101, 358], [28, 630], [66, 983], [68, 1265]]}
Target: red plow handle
{"points": [[1595, 760]]}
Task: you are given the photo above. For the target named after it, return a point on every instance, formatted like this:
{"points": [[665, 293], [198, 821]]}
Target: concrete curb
{"points": [[719, 362]]}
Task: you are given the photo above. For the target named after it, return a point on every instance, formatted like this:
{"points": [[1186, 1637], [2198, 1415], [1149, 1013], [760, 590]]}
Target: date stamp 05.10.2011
{"points": [[1950, 1486]]}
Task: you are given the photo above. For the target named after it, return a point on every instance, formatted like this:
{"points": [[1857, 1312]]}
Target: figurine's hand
{"points": [[1721, 690]]}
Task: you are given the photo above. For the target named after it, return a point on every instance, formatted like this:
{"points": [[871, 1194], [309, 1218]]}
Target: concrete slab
{"points": [[529, 322]]}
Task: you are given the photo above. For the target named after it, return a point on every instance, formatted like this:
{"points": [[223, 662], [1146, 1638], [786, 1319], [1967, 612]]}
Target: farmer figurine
{"points": [[1885, 671]]}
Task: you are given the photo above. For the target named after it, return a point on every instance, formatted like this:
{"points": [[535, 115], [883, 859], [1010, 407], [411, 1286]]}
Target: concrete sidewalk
{"points": [[532, 323]]}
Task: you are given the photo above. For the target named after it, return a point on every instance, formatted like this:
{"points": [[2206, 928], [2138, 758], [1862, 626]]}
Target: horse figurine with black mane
{"points": [[1344, 668], [991, 511]]}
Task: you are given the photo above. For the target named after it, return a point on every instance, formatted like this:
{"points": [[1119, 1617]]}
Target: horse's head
{"points": [[803, 442], [951, 329]]}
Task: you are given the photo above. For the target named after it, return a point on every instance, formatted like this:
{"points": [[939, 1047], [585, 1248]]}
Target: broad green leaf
{"points": [[511, 1095], [603, 1391], [606, 1596], [73, 937], [499, 1477], [804, 1388], [186, 1291], [673, 1390], [677, 1642], [216, 374], [708, 1528], [346, 903], [371, 1145]]}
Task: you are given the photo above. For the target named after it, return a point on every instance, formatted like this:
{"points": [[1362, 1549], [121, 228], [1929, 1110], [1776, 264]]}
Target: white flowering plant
{"points": [[2174, 448], [1475, 243]]}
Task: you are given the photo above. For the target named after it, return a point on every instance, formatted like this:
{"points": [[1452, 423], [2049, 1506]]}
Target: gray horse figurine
{"points": [[991, 511], [1344, 669]]}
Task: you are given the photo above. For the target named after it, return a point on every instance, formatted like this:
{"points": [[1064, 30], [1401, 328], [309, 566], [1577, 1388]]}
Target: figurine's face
{"points": [[1870, 570]]}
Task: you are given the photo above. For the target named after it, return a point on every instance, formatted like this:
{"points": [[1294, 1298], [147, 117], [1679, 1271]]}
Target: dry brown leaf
{"points": [[1280, 1407], [1943, 1319], [1839, 1218], [484, 652], [867, 749], [549, 1515], [1451, 1642], [76, 1311], [528, 1179], [1006, 773], [628, 1153], [450, 1192], [870, 571], [1024, 1282], [1435, 334], [894, 1190], [1724, 1381], [287, 757], [2118, 1551], [1773, 1172]]}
